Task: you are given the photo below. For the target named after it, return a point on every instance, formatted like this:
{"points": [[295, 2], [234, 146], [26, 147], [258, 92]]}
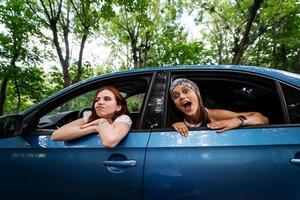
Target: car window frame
{"points": [[270, 79], [32, 116], [284, 96]]}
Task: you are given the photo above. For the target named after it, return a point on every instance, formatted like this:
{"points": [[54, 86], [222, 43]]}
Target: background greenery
{"points": [[139, 33]]}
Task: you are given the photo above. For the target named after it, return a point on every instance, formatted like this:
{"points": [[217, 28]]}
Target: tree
{"points": [[87, 18], [171, 47], [69, 17], [15, 50], [56, 16], [236, 26], [131, 30], [246, 40]]}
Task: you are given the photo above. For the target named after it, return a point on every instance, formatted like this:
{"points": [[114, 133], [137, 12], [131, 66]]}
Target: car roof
{"points": [[285, 76], [282, 75]]}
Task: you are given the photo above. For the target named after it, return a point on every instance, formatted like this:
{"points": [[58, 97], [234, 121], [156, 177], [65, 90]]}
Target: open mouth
{"points": [[186, 104]]}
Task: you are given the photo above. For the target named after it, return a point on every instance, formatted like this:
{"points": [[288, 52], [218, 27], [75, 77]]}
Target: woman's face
{"points": [[106, 105], [186, 100]]}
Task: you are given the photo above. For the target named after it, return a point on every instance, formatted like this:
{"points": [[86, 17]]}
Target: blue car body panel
{"points": [[72, 170], [13, 142], [249, 163]]}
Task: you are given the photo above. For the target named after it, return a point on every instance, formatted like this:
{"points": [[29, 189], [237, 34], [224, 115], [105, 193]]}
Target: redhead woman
{"points": [[186, 97], [108, 117]]}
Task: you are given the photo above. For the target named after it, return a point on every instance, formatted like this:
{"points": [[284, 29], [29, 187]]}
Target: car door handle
{"points": [[295, 161], [119, 163]]}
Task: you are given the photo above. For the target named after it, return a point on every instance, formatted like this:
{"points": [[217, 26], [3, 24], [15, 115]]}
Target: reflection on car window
{"points": [[82, 101], [135, 102], [292, 98]]}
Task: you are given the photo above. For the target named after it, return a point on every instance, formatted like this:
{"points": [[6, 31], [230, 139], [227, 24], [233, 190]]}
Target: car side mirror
{"points": [[10, 125]]}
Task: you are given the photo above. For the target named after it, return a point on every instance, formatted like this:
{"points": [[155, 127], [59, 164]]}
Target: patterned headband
{"points": [[185, 82]]}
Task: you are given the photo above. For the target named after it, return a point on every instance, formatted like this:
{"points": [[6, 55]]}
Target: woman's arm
{"points": [[73, 130], [225, 120], [112, 133]]}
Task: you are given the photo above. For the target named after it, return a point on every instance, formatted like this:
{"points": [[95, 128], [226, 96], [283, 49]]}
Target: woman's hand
{"points": [[103, 120], [181, 128], [225, 125], [93, 123], [96, 122]]}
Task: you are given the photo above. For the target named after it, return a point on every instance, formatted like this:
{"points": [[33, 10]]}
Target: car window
{"points": [[292, 99], [134, 90], [135, 102], [236, 92], [82, 101]]}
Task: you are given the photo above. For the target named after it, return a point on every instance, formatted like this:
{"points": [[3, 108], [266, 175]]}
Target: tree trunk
{"points": [[3, 95], [283, 57], [17, 88], [16, 75], [145, 50], [297, 63], [134, 49], [64, 62], [282, 49], [79, 63], [238, 53]]}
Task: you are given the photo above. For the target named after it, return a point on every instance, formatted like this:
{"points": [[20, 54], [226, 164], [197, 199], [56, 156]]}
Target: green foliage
{"points": [[273, 40], [76, 104], [32, 89], [20, 25], [16, 54], [131, 30], [279, 46], [135, 102], [55, 77], [172, 48], [88, 15]]}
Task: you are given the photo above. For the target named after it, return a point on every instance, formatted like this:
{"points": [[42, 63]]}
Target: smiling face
{"points": [[106, 105], [187, 101]]}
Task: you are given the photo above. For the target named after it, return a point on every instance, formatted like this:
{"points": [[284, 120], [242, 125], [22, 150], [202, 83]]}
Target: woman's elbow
{"points": [[263, 119], [56, 136], [110, 142]]}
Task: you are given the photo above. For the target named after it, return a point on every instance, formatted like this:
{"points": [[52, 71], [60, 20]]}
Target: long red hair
{"points": [[119, 99]]}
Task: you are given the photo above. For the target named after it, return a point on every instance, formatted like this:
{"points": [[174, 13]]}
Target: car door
{"points": [[238, 164], [260, 162], [78, 169]]}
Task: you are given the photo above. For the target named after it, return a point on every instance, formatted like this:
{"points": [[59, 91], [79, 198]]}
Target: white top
{"points": [[122, 118], [189, 125], [86, 116]]}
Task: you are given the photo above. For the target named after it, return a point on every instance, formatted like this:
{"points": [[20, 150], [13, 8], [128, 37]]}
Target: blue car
{"points": [[154, 161]]}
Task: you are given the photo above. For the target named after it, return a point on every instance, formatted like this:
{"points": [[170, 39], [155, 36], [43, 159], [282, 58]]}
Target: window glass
{"points": [[135, 102], [77, 103], [292, 98]]}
